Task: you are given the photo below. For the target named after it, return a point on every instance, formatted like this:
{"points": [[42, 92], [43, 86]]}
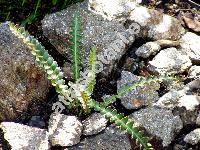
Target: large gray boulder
{"points": [[95, 31], [158, 122], [110, 139], [22, 81]]}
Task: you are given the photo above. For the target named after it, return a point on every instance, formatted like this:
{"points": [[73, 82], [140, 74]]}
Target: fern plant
{"points": [[83, 94]]}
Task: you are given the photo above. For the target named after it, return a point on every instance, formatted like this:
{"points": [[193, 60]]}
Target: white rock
{"points": [[170, 61], [23, 137], [112, 9], [194, 72], [193, 137], [64, 130], [163, 27], [157, 24], [170, 99], [140, 15], [189, 102], [190, 44], [148, 49], [179, 98], [94, 124], [198, 119]]}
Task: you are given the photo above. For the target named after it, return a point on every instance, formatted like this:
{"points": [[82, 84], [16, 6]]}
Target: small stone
{"points": [[198, 119], [36, 121], [195, 84], [185, 106], [191, 46], [94, 124], [178, 98], [148, 49], [194, 72], [113, 9], [64, 130], [170, 99], [193, 137], [25, 137], [140, 96], [140, 15], [158, 122], [111, 138], [157, 24], [189, 102], [169, 61]]}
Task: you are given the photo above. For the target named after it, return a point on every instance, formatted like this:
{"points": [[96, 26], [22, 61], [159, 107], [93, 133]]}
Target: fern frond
{"points": [[91, 81], [124, 123], [75, 37], [85, 101], [127, 87], [54, 73]]}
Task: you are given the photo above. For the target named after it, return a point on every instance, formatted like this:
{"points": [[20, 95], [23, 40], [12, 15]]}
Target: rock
{"points": [[113, 9], [188, 117], [191, 46], [179, 98], [193, 137], [37, 121], [111, 139], [195, 84], [170, 61], [198, 119], [96, 31], [64, 130], [151, 48], [94, 124], [157, 25], [170, 99], [194, 72], [148, 49], [158, 122], [140, 96], [189, 102], [24, 137], [22, 81], [185, 106]]}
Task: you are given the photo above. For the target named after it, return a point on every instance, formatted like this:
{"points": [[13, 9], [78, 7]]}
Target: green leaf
{"points": [[75, 46], [54, 2], [45, 61], [123, 123], [91, 81]]}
